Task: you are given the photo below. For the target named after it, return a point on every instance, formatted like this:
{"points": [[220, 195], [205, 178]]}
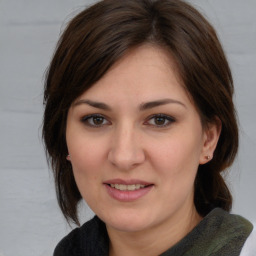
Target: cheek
{"points": [[86, 158], [177, 155], [176, 163], [86, 153]]}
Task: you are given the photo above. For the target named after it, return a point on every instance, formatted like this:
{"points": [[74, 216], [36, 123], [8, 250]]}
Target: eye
{"points": [[95, 120], [160, 120]]}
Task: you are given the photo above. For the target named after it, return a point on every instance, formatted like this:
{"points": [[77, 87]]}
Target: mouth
{"points": [[127, 190], [124, 187]]}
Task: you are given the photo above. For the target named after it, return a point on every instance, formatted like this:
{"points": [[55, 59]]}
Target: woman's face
{"points": [[135, 142]]}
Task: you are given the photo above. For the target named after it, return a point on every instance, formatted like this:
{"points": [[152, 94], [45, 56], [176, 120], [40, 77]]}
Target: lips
{"points": [[127, 182], [127, 190], [124, 187]]}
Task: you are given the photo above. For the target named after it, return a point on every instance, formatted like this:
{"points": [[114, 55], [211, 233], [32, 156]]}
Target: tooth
{"points": [[131, 187], [122, 187]]}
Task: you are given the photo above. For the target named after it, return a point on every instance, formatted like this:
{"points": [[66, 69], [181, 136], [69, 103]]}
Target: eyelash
{"points": [[166, 118], [86, 120]]}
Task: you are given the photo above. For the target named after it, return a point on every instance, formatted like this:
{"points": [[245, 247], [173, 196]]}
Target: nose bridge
{"points": [[126, 150]]}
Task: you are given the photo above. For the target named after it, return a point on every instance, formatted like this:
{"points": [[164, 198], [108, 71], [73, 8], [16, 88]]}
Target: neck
{"points": [[148, 242]]}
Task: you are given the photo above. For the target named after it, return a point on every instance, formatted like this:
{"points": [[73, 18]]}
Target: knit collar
{"points": [[219, 233]]}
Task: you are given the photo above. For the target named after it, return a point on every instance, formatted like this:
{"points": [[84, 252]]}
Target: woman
{"points": [[139, 122]]}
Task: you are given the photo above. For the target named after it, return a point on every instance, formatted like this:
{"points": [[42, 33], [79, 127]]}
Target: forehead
{"points": [[146, 71]]}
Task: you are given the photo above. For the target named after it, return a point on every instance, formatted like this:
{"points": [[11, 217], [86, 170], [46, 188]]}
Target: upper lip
{"points": [[127, 182]]}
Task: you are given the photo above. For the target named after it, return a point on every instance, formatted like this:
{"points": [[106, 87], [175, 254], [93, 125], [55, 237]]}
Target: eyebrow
{"points": [[142, 107], [94, 104], [156, 103]]}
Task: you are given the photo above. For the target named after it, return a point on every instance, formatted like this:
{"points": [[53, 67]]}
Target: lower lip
{"points": [[127, 195]]}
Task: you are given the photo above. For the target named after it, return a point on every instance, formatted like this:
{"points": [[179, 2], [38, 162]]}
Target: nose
{"points": [[126, 151]]}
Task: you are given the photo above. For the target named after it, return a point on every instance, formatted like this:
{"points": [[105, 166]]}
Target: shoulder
{"points": [[249, 248], [224, 233], [234, 225], [82, 240], [69, 244], [235, 232]]}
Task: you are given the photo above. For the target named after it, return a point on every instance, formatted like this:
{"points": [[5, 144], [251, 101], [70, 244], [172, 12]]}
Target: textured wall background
{"points": [[30, 221]]}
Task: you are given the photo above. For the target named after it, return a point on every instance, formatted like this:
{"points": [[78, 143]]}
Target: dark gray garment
{"points": [[218, 234]]}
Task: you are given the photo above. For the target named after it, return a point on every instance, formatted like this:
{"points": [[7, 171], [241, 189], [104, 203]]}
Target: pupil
{"points": [[98, 120], [160, 120]]}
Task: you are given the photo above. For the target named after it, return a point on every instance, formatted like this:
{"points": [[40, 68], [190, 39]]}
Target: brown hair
{"points": [[99, 36]]}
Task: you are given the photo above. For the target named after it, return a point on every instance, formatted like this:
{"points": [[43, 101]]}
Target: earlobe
{"points": [[210, 141], [68, 158]]}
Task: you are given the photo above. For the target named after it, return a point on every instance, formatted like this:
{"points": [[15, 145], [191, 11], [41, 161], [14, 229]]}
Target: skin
{"points": [[128, 142]]}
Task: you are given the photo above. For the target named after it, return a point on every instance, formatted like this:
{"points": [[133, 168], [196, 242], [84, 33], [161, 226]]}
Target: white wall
{"points": [[30, 221]]}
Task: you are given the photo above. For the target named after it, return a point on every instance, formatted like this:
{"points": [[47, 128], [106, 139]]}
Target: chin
{"points": [[128, 222], [128, 226]]}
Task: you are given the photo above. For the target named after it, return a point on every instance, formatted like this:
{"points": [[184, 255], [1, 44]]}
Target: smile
{"points": [[127, 190], [124, 187]]}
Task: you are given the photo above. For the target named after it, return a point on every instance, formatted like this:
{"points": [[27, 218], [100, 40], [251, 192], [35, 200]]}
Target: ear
{"points": [[210, 139]]}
